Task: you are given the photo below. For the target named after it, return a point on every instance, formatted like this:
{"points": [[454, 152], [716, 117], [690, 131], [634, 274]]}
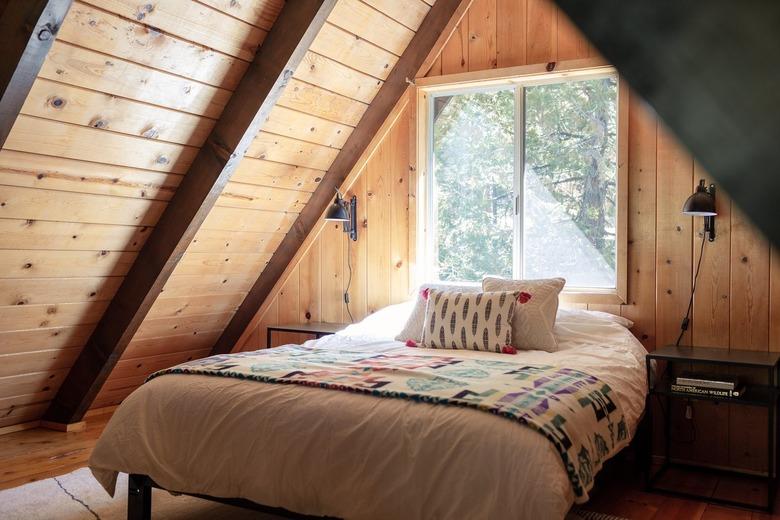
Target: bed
{"points": [[321, 452]]}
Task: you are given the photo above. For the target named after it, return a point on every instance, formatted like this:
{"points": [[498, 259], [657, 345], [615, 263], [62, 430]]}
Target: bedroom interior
{"points": [[182, 179]]}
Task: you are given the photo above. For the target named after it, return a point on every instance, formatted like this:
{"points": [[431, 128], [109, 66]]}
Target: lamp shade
{"points": [[337, 211], [701, 203]]}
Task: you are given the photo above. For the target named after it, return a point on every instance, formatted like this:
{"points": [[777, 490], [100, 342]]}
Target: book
{"points": [[717, 382], [712, 392]]}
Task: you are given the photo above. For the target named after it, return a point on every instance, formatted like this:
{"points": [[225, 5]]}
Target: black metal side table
{"points": [[761, 369], [315, 328]]}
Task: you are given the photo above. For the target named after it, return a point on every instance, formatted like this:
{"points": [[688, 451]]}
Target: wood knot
{"points": [[92, 294], [40, 176], [162, 160], [57, 102], [744, 259], [143, 11], [308, 315], [550, 66], [98, 123], [317, 179], [28, 265], [103, 253], [151, 133]]}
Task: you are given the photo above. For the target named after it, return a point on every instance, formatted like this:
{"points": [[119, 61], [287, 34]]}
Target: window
{"points": [[523, 181]]}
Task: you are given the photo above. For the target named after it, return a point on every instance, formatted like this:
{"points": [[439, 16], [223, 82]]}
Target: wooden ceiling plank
{"points": [[242, 119], [27, 31], [427, 42]]}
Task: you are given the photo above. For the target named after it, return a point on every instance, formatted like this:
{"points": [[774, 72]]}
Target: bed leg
{"points": [[139, 498]]}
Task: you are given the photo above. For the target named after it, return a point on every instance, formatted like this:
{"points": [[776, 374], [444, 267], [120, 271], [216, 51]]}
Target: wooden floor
{"points": [[38, 454]]}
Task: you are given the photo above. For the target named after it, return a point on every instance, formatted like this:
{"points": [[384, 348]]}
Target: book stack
{"points": [[707, 385]]}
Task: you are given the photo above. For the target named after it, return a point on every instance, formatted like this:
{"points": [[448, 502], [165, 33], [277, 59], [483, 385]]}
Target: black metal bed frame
{"points": [[139, 501]]}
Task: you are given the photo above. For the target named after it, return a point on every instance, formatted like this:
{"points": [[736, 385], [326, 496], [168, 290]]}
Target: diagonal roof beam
{"points": [[421, 52], [27, 30], [711, 70], [246, 112]]}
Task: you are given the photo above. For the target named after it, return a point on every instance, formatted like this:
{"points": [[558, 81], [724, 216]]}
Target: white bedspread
{"points": [[357, 456]]}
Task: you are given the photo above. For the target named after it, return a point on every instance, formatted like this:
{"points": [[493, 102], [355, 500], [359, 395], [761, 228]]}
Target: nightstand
{"points": [[313, 328], [758, 371]]}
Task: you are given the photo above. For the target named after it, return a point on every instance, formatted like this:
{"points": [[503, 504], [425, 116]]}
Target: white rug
{"points": [[78, 496]]}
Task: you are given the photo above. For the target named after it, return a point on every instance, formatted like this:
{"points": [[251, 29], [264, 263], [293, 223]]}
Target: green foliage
{"points": [[473, 144], [570, 145]]}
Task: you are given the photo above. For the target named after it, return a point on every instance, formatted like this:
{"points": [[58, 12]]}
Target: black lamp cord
{"points": [[687, 320], [349, 279]]}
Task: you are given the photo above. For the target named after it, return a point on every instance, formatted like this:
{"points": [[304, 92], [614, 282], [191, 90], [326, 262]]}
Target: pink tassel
{"points": [[509, 349], [411, 343], [523, 297]]}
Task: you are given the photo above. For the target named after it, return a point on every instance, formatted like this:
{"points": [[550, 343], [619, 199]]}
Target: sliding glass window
{"points": [[524, 182]]}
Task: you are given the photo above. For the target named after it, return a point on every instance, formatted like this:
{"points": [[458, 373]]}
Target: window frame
{"points": [[514, 77]]}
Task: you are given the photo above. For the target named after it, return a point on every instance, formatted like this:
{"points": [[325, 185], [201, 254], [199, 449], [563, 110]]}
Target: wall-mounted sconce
{"points": [[702, 204], [345, 212]]}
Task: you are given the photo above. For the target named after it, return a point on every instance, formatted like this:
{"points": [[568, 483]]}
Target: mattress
{"points": [[324, 452]]}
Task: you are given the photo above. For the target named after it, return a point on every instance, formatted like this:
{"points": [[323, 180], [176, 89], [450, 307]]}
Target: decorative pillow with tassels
{"points": [[470, 321]]}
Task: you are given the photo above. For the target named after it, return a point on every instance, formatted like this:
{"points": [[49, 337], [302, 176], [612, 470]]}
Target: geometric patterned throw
{"points": [[573, 410]]}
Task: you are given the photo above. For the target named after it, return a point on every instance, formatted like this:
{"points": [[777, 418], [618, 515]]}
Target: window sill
{"points": [[601, 297]]}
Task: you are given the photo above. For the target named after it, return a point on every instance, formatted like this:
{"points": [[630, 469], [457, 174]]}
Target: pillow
{"points": [[474, 321], [413, 329], [384, 323], [582, 314], [534, 319]]}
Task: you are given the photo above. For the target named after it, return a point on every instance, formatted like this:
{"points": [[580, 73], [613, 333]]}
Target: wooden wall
{"points": [[326, 98], [737, 304], [127, 95], [124, 99]]}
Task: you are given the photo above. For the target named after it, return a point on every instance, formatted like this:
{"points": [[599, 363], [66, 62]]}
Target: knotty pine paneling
{"points": [[122, 103], [738, 297], [324, 100]]}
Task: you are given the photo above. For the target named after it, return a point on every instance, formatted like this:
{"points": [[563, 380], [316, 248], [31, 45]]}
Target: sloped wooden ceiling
{"points": [[124, 100]]}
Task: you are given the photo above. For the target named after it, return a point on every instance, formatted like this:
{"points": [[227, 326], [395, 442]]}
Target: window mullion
{"points": [[519, 175]]}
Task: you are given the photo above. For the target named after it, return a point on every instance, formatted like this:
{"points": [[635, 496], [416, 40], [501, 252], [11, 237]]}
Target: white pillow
{"points": [[537, 307], [582, 314], [384, 323], [413, 330]]}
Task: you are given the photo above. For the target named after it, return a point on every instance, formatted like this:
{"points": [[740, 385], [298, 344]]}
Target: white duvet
{"points": [[325, 452]]}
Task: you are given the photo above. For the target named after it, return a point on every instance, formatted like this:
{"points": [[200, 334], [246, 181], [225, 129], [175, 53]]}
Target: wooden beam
{"points": [[246, 112], [711, 70], [27, 30], [427, 42]]}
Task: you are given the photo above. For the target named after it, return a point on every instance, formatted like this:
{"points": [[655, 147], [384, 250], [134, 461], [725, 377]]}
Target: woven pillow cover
{"points": [[534, 318], [413, 329], [473, 321]]}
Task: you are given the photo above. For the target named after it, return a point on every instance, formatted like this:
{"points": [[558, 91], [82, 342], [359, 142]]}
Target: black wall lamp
{"points": [[702, 204], [345, 212]]}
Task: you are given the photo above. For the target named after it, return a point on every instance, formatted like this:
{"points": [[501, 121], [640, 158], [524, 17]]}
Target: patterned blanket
{"points": [[573, 410]]}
